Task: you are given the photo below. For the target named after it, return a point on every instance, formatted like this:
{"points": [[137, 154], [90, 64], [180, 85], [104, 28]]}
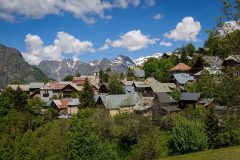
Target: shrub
{"points": [[187, 136]]}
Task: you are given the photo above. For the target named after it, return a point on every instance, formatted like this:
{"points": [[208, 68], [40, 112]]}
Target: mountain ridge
{"points": [[14, 67]]}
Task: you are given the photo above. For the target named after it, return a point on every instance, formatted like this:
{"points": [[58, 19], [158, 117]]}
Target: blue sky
{"points": [[80, 31]]}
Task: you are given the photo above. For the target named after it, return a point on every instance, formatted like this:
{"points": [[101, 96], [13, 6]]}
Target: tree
{"points": [[68, 78], [176, 94], [190, 49], [187, 136], [230, 130], [6, 99], [212, 128], [115, 87], [87, 95], [150, 67], [20, 99], [84, 142], [224, 39], [104, 76], [207, 85], [34, 105]]}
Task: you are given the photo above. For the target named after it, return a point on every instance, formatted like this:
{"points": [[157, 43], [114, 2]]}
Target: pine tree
{"points": [[115, 86], [212, 128], [87, 95]]}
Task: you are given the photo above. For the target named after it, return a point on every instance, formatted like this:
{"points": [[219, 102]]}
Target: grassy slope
{"points": [[230, 153]]}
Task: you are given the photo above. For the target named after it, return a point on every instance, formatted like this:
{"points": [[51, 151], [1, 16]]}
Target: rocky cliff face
{"points": [[14, 67], [59, 69]]}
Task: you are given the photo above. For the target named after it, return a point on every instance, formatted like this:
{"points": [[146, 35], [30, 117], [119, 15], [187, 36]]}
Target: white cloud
{"points": [[167, 44], [132, 40], [150, 2], [106, 45], [86, 10], [187, 30], [63, 44], [126, 3], [158, 16], [229, 27]]}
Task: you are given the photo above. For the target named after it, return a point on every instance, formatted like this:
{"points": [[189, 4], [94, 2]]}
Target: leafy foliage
{"points": [[115, 87], [87, 95], [187, 136]]}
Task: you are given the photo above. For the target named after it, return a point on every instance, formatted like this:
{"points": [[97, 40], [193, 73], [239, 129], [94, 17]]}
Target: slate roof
{"points": [[139, 73], [74, 102], [189, 96], [206, 101], [181, 67], [140, 84], [165, 98], [117, 101], [235, 58], [183, 78], [213, 61], [36, 85], [23, 87], [212, 71], [129, 89], [158, 86], [143, 104]]}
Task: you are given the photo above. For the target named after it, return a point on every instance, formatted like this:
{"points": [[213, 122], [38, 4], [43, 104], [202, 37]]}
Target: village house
{"points": [[143, 89], [66, 106], [58, 89], [158, 86], [34, 89], [129, 89], [103, 88], [181, 68], [93, 79], [117, 104], [233, 63], [180, 79], [212, 64], [23, 87], [164, 103], [189, 99], [181, 75], [144, 106]]}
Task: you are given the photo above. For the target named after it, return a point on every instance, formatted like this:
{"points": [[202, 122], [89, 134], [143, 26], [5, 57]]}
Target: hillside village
{"points": [[145, 96], [54, 105]]}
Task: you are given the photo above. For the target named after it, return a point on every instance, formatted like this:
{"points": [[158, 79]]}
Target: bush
{"points": [[187, 136]]}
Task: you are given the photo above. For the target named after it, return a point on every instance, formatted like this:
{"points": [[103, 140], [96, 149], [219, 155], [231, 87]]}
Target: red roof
{"points": [[79, 81], [64, 102], [181, 67], [56, 85]]}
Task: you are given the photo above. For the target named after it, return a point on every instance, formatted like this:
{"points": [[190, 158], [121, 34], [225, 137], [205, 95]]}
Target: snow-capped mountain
{"points": [[59, 69], [140, 61]]}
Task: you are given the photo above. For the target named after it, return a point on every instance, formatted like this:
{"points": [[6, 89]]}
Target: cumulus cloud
{"points": [[132, 40], [187, 30], [167, 44], [151, 2], [158, 16], [86, 10], [63, 44], [229, 27]]}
